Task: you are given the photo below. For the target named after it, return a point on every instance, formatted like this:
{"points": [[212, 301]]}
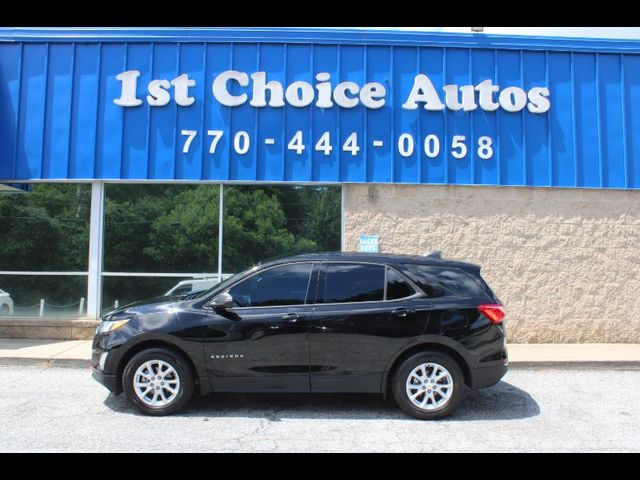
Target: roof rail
{"points": [[434, 254]]}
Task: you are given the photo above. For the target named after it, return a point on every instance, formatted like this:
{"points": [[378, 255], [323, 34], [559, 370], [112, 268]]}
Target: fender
{"points": [[194, 352], [426, 340]]}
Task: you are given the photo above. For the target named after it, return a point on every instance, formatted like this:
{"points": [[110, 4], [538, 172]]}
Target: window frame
{"points": [[418, 293], [271, 267]]}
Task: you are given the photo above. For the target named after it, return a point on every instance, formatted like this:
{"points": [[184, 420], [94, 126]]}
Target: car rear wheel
{"points": [[158, 381], [4, 309], [428, 385]]}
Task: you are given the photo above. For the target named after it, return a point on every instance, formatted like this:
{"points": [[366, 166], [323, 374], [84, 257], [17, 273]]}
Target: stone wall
{"points": [[565, 262]]}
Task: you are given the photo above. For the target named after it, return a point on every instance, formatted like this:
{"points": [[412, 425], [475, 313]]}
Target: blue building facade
{"points": [[311, 105]]}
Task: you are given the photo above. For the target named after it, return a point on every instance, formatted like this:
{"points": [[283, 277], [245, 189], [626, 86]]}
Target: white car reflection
{"points": [[186, 287], [6, 303]]}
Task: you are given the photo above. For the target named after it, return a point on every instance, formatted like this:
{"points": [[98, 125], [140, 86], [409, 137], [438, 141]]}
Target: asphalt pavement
{"points": [[544, 409]]}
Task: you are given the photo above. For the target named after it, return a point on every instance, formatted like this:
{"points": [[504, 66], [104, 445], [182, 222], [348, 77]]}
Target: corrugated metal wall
{"points": [[58, 119]]}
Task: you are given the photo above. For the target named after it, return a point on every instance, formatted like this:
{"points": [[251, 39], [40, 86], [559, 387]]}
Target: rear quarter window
{"points": [[447, 282], [397, 287]]}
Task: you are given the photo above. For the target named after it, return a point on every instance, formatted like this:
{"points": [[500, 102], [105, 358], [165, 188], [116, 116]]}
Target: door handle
{"points": [[291, 317], [401, 312]]}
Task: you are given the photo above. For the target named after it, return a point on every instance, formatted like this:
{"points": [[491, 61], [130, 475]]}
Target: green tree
{"points": [[131, 211], [185, 238], [255, 229], [323, 207], [28, 237]]}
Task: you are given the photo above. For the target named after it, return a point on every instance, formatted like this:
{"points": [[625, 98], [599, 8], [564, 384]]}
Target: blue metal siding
{"points": [[59, 120], [631, 85]]}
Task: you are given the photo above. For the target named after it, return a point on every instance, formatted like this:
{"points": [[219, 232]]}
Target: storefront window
{"points": [[153, 233], [44, 241], [159, 240], [173, 229], [161, 228]]}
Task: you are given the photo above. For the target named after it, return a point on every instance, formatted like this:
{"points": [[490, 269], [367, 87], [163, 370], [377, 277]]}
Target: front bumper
{"points": [[104, 364], [109, 381]]}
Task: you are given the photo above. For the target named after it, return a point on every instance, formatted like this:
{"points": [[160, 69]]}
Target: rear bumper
{"points": [[493, 360], [487, 376]]}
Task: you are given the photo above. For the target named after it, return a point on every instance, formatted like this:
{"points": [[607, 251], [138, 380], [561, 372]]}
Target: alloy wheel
{"points": [[429, 386], [156, 383]]}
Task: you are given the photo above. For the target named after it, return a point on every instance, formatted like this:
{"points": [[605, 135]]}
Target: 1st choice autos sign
{"points": [[262, 105], [235, 89]]}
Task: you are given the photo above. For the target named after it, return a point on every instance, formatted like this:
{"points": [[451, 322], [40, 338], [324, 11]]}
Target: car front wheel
{"points": [[157, 381], [429, 385]]}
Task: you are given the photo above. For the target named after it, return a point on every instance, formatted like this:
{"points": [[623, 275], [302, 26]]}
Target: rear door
{"points": [[363, 314]]}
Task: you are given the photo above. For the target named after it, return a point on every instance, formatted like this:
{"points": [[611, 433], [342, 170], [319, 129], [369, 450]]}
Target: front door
{"points": [[261, 344]]}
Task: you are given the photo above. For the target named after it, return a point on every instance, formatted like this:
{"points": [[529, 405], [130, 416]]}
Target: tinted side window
{"points": [[397, 287], [353, 283], [446, 281], [286, 285]]}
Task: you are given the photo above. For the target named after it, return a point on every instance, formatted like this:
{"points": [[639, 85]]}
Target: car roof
{"points": [[387, 258], [194, 280]]}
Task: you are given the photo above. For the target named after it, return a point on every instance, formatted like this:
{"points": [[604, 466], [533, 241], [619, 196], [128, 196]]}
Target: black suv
{"points": [[420, 328]]}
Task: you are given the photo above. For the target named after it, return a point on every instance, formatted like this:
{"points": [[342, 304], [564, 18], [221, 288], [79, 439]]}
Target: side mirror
{"points": [[222, 301]]}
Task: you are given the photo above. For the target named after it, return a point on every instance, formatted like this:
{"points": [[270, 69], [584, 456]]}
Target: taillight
{"points": [[494, 312]]}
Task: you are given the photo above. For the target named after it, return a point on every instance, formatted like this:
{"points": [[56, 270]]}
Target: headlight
{"points": [[107, 326]]}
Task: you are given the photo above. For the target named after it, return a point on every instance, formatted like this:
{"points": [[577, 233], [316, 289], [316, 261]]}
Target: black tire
{"points": [[185, 375], [401, 375]]}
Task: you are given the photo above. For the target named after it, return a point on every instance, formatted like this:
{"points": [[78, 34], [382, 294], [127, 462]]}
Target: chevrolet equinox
{"points": [[420, 329]]}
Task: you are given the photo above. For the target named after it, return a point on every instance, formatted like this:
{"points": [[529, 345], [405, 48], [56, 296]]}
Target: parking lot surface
{"points": [[64, 409]]}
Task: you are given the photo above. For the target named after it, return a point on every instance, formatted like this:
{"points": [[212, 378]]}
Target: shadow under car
{"points": [[502, 401]]}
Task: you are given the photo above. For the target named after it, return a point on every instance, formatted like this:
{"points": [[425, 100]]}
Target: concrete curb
{"points": [[45, 362], [611, 365], [86, 363]]}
